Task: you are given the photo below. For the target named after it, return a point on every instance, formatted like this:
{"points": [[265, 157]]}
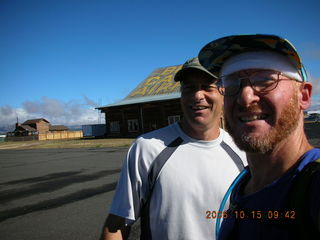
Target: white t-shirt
{"points": [[191, 184]]}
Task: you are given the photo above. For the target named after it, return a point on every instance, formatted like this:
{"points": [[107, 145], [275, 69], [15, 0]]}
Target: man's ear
{"points": [[305, 91]]}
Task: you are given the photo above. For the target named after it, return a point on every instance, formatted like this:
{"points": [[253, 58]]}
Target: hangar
{"points": [[153, 104]]}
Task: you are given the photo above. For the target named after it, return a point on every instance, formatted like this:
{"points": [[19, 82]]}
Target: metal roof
{"points": [[158, 86], [155, 98], [31, 121], [27, 127]]}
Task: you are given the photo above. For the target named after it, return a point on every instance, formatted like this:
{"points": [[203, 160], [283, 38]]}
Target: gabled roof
{"points": [[26, 128], [158, 86], [155, 98], [58, 128], [32, 121]]}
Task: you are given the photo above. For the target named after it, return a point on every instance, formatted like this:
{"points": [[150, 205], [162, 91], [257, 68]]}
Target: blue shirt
{"points": [[261, 215]]}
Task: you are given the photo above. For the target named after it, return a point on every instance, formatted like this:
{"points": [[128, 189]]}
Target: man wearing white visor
{"points": [[266, 92]]}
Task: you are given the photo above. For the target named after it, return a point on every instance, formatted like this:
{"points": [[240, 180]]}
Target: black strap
{"points": [[154, 171], [300, 193], [234, 156], [296, 220]]}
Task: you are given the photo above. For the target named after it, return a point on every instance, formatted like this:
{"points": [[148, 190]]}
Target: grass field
{"points": [[70, 143]]}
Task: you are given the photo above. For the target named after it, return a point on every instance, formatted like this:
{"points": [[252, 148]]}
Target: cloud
{"points": [[74, 112], [315, 101], [6, 111], [311, 51], [90, 102], [7, 116], [315, 84]]}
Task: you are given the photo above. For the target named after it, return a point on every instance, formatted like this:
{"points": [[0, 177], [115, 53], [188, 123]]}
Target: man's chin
{"points": [[199, 121], [194, 123], [255, 144], [266, 141]]}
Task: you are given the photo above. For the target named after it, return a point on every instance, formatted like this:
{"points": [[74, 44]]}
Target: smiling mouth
{"points": [[253, 117], [199, 108]]}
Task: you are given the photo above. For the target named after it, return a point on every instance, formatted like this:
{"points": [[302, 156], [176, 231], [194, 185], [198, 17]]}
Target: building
{"points": [[94, 130], [2, 137], [40, 129], [153, 104]]}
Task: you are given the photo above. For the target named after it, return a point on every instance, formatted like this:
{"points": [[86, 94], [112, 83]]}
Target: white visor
{"points": [[261, 60]]}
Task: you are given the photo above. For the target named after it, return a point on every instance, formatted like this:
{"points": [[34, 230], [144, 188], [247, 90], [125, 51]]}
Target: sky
{"points": [[59, 59]]}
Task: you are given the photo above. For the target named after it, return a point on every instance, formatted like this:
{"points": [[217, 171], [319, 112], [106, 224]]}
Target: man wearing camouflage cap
{"points": [[197, 159], [266, 92]]}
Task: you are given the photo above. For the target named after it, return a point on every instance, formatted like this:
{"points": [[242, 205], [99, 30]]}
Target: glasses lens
{"points": [[263, 81], [230, 85]]}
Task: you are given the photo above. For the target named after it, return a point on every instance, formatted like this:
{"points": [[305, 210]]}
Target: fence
{"points": [[60, 135], [55, 135]]}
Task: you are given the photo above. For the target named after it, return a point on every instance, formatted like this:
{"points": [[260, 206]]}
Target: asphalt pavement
{"points": [[64, 194], [57, 193]]}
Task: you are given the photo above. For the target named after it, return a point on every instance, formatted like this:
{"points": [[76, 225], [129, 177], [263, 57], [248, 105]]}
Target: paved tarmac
{"points": [[57, 193], [64, 194]]}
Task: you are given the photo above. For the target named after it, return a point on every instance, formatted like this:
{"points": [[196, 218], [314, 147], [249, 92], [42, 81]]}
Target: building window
{"points": [[153, 126], [133, 125], [114, 126], [173, 119]]}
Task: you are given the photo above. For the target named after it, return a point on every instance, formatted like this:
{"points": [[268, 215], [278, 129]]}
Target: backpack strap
{"points": [[300, 227], [300, 193], [154, 171], [234, 156]]}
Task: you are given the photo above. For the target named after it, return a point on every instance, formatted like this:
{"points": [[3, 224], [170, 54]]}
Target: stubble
{"points": [[285, 125]]}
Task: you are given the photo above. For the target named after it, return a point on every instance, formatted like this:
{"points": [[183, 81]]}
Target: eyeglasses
{"points": [[262, 81]]}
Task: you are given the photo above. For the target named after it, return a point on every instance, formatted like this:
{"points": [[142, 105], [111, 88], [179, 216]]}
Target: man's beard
{"points": [[286, 124]]}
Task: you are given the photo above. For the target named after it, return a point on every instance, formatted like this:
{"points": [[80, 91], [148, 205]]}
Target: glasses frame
{"points": [[221, 88]]}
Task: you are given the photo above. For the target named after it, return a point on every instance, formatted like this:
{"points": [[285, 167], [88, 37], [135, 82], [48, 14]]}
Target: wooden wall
{"points": [[55, 135], [42, 127], [60, 135], [149, 116]]}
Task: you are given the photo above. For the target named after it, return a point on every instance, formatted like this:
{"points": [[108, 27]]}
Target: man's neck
{"points": [[201, 132], [266, 168]]}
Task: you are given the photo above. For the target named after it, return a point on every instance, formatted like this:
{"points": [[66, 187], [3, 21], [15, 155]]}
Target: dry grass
{"points": [[70, 143], [312, 131]]}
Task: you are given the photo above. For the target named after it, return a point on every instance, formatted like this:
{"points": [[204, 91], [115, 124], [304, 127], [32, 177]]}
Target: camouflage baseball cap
{"points": [[192, 63], [214, 54]]}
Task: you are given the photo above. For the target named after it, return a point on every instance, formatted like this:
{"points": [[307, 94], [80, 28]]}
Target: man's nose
{"points": [[247, 95], [199, 95]]}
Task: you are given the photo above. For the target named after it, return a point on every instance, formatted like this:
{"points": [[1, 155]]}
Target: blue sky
{"points": [[61, 58]]}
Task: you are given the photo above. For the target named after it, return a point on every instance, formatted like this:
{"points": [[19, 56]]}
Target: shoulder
{"points": [[227, 138], [308, 184], [314, 196], [312, 154], [308, 157], [229, 141], [149, 145], [162, 136]]}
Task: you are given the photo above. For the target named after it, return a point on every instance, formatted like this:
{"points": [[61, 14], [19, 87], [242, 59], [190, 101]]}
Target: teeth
{"points": [[198, 108], [252, 118]]}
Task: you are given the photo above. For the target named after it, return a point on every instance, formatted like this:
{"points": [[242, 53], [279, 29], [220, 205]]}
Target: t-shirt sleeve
{"points": [[131, 186]]}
